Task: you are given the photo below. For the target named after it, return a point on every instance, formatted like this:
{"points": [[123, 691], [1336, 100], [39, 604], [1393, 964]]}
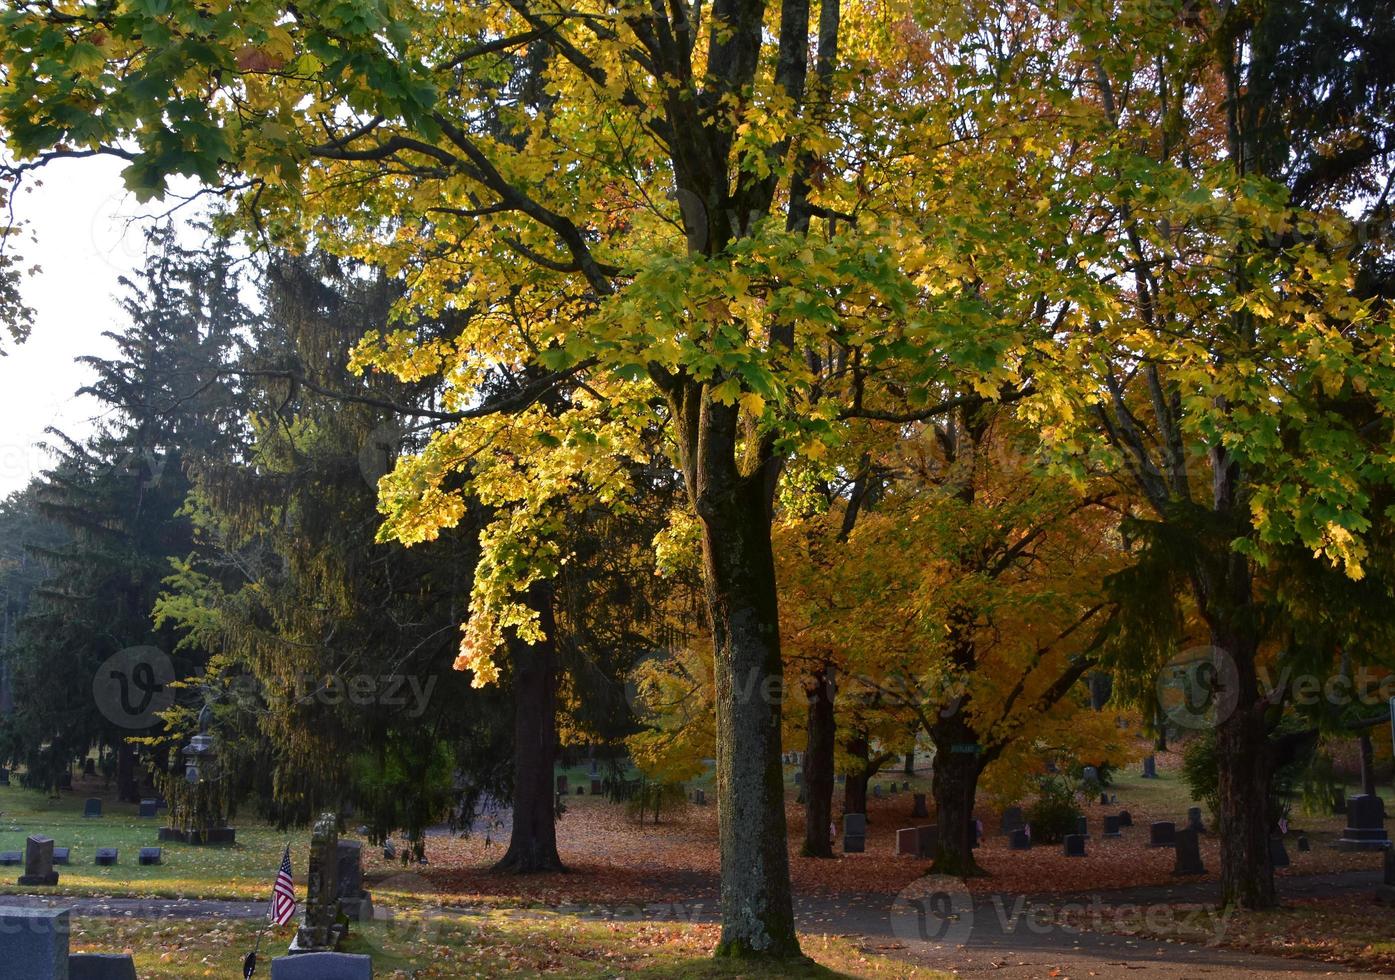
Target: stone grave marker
{"points": [[595, 768], [918, 806], [322, 966], [89, 766], [1104, 799], [1082, 826], [354, 902], [1150, 767], [319, 929], [927, 840], [1304, 845], [1013, 819], [92, 808], [1090, 776], [1194, 821], [1385, 893], [877, 791], [1188, 847], [101, 966], [1339, 803], [1075, 846], [1163, 833], [905, 786], [798, 778], [106, 856], [700, 797], [34, 943], [1111, 826], [150, 855], [908, 842], [1125, 818], [1365, 829], [562, 785], [65, 780], [595, 787], [11, 857], [38, 865], [1020, 839], [62, 855], [854, 833], [4, 777], [147, 808], [580, 790]]}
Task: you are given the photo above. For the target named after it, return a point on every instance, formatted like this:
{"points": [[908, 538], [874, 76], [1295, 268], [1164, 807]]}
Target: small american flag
{"points": [[283, 892]]}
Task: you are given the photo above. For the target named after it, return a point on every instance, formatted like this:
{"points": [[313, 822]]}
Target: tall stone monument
{"points": [[320, 929]]}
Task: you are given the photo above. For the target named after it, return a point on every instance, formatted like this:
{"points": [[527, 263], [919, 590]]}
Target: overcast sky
{"points": [[80, 214]]}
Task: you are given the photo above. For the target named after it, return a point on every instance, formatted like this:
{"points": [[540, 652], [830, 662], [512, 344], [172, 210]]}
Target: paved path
{"points": [[1005, 937]]}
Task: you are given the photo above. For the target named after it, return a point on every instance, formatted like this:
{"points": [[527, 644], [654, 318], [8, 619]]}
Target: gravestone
{"points": [[89, 767], [1150, 767], [905, 786], [11, 857], [1339, 803], [1020, 839], [1304, 845], [1075, 846], [854, 833], [1194, 821], [150, 855], [595, 768], [1188, 845], [106, 856], [319, 929], [1082, 827], [580, 790], [1385, 893], [908, 842], [92, 808], [1111, 827], [798, 778], [1090, 776], [65, 780], [1163, 833], [595, 787], [927, 840], [147, 808], [101, 966], [918, 807], [1365, 825], [62, 855], [4, 777], [877, 791], [562, 785], [34, 943], [38, 864], [354, 902], [1104, 799], [1013, 819], [1278, 856], [700, 797], [1125, 818], [322, 966], [892, 789]]}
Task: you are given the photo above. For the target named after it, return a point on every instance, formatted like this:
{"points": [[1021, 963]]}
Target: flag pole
{"points": [[249, 964]]}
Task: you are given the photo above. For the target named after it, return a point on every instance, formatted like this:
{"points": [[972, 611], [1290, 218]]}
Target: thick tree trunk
{"points": [[1368, 764], [955, 787], [739, 577], [855, 783], [818, 764], [127, 783], [533, 843]]}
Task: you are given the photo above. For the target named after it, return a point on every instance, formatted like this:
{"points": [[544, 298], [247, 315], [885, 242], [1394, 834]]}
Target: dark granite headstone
{"points": [[908, 842], [106, 856], [798, 778], [1365, 825], [1104, 799], [11, 857], [321, 929], [1150, 767], [1163, 833], [1075, 846], [1082, 826], [877, 791], [62, 855], [1194, 821], [1125, 818], [150, 855], [1188, 847], [1013, 819], [147, 808], [854, 833], [700, 797], [38, 865], [4, 777], [927, 840], [595, 787], [905, 786], [1090, 776], [1020, 840], [918, 807], [34, 943], [1304, 845], [92, 808], [322, 966], [101, 966], [1278, 856], [1111, 826]]}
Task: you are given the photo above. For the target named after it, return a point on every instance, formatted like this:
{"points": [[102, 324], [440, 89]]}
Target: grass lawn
{"points": [[494, 944]]}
